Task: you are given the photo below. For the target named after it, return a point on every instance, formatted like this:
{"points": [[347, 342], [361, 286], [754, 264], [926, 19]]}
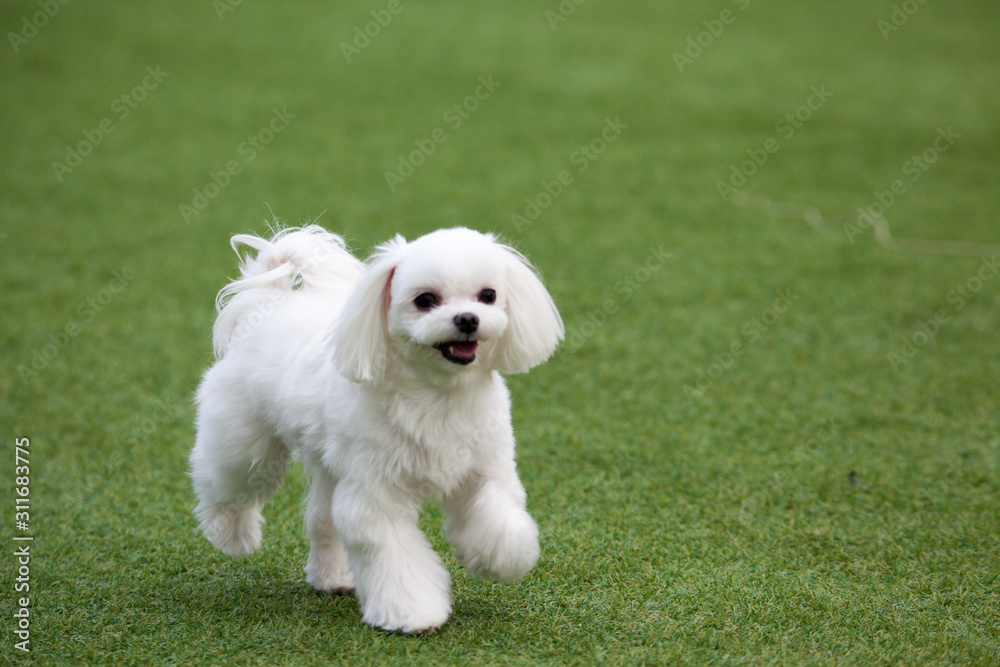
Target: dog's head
{"points": [[448, 301]]}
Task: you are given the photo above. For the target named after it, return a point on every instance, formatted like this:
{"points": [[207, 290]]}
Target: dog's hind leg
{"points": [[236, 466], [326, 569]]}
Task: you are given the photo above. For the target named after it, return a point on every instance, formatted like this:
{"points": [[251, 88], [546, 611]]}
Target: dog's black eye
{"points": [[426, 301], [487, 296]]}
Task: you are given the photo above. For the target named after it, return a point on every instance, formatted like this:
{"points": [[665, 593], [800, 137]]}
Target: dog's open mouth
{"points": [[458, 351]]}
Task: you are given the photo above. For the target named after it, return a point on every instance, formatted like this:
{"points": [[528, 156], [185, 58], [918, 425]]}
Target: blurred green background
{"points": [[689, 451]]}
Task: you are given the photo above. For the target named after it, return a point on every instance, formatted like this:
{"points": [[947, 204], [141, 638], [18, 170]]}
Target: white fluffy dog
{"points": [[384, 378]]}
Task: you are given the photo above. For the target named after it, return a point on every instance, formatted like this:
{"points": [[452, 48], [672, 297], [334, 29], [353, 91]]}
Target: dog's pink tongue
{"points": [[464, 349]]}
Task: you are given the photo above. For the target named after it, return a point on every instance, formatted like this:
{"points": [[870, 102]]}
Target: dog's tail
{"points": [[298, 258]]}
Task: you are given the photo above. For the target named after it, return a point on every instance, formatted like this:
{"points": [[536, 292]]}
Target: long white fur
{"points": [[329, 359]]}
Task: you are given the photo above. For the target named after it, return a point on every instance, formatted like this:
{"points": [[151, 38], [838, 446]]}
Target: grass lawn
{"points": [[766, 440]]}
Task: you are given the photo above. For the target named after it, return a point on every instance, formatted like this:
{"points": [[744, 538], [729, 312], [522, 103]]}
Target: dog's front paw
{"points": [[419, 608], [501, 552], [235, 530], [406, 599], [409, 611], [418, 625]]}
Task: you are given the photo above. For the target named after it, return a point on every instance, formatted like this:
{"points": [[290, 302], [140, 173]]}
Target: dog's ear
{"points": [[362, 346], [534, 327]]}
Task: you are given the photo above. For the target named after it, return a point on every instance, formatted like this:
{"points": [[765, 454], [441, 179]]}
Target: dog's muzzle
{"points": [[460, 352]]}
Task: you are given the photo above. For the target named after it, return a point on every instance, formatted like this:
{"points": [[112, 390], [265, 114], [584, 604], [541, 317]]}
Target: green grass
{"points": [[676, 528]]}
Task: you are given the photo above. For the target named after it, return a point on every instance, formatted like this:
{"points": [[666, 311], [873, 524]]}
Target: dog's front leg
{"points": [[494, 536], [400, 582]]}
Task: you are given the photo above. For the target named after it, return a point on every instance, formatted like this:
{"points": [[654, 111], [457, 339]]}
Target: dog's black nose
{"points": [[467, 323]]}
